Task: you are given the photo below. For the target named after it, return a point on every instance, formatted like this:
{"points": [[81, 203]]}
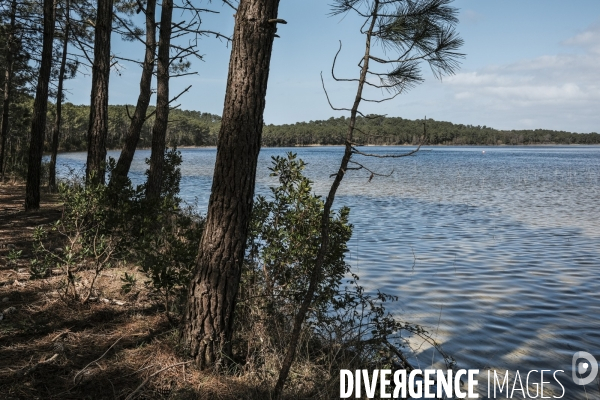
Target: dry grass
{"points": [[54, 347]]}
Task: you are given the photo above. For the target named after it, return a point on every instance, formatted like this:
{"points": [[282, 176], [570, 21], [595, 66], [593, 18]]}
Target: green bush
{"points": [[102, 225], [346, 326], [92, 237]]}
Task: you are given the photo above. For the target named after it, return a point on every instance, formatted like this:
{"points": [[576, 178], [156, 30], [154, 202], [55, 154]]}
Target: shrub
{"points": [[102, 225], [88, 227], [346, 327]]}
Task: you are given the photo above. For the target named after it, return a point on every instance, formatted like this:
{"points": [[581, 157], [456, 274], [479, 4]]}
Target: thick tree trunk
{"points": [[98, 126], [159, 131], [137, 121], [40, 105], [208, 324], [59, 98], [8, 75]]}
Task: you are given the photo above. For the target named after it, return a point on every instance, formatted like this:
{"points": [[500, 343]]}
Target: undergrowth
{"points": [[105, 225], [348, 327]]}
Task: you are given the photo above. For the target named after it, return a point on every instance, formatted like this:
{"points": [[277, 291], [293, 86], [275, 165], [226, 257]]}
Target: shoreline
{"points": [[371, 145]]}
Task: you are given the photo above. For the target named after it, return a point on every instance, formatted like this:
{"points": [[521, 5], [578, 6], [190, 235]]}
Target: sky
{"points": [[528, 64]]}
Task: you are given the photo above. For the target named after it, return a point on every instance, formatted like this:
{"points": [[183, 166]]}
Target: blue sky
{"points": [[529, 64]]}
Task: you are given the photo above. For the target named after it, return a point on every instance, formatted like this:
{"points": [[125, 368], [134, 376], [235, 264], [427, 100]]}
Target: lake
{"points": [[496, 250]]}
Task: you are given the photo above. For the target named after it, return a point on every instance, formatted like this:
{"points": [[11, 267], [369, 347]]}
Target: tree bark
{"points": [[40, 105], [159, 130], [208, 319], [59, 99], [98, 125], [137, 121], [8, 75]]}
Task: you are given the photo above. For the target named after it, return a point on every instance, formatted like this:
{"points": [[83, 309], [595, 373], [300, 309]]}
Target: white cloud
{"points": [[464, 95], [588, 39], [560, 91], [485, 79]]}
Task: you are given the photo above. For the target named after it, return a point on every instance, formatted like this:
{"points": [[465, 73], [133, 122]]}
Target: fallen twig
{"points": [[26, 371], [132, 394], [60, 335], [139, 370], [96, 360]]}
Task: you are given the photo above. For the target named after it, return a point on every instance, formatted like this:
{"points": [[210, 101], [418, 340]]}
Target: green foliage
{"points": [[171, 177], [346, 327], [129, 282], [13, 257], [166, 249], [285, 237], [165, 237], [186, 128], [103, 225], [92, 233], [399, 131]]}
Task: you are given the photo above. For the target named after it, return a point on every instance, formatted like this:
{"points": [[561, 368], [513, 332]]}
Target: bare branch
{"points": [[195, 9], [410, 153], [126, 59], [128, 115], [329, 101], [229, 4], [184, 74], [382, 100], [179, 95], [81, 47]]}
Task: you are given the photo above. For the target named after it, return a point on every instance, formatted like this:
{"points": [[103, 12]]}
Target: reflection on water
{"points": [[502, 247]]}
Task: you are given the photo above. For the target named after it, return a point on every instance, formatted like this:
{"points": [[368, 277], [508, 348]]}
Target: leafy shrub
{"points": [[346, 327], [89, 228], [285, 237], [166, 250], [103, 225], [13, 258]]}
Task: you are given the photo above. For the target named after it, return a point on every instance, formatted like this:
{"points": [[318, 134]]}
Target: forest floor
{"points": [[115, 346]]}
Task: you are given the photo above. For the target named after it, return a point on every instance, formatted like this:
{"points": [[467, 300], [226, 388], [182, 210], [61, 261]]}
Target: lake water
{"points": [[496, 250]]}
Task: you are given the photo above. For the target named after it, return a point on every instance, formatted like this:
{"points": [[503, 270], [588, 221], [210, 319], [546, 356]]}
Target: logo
{"points": [[580, 368]]}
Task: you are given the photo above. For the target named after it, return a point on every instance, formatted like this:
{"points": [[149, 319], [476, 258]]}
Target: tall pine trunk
{"points": [[137, 121], [159, 130], [98, 125], [59, 99], [208, 319], [8, 75], [40, 105]]}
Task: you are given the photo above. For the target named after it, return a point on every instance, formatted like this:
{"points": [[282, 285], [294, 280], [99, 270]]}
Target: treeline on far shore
{"points": [[377, 130], [194, 128]]}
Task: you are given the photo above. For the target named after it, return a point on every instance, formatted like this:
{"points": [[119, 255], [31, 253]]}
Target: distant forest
{"points": [[194, 128]]}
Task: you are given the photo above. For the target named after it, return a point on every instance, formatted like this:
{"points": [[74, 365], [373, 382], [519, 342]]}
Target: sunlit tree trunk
{"points": [[159, 131], [40, 105], [208, 324], [8, 75], [98, 125], [59, 98], [139, 116]]}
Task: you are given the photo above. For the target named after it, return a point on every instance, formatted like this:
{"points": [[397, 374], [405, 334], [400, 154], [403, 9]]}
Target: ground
{"points": [[117, 346]]}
